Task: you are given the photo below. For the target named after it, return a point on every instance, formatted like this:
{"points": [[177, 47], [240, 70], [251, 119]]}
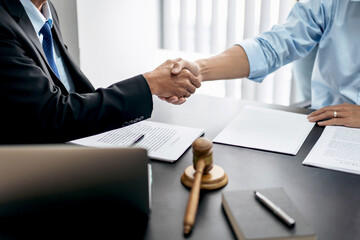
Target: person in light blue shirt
{"points": [[333, 26], [301, 73]]}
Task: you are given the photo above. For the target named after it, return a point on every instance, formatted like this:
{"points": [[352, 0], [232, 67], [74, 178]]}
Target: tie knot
{"points": [[46, 29]]}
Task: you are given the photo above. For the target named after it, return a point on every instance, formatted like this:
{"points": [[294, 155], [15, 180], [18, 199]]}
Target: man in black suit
{"points": [[38, 106]]}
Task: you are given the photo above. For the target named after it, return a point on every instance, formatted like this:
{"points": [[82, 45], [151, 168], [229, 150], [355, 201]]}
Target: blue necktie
{"points": [[48, 47]]}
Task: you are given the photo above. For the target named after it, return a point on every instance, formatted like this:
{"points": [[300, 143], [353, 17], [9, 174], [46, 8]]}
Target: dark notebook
{"points": [[251, 220]]}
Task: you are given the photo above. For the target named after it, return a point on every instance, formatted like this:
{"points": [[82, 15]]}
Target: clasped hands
{"points": [[174, 80]]}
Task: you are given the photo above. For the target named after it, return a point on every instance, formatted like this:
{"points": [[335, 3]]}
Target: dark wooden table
{"points": [[329, 200]]}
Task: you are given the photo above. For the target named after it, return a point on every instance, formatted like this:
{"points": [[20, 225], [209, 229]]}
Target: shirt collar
{"points": [[37, 18]]}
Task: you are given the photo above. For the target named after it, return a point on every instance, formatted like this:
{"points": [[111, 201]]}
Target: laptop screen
{"points": [[73, 186]]}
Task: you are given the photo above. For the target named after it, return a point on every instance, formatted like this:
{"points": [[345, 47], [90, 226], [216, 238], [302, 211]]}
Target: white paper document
{"points": [[163, 141], [267, 129], [338, 148]]}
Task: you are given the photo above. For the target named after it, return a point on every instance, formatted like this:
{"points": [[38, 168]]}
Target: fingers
{"points": [[347, 121], [187, 94], [180, 101], [321, 116], [173, 61], [191, 82], [327, 112], [191, 88], [191, 66], [182, 85], [331, 122], [331, 109], [173, 88], [195, 81], [162, 98], [174, 100], [341, 115], [331, 115]]}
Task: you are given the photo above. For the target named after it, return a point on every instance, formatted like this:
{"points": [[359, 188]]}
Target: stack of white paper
{"points": [[267, 129], [163, 141], [338, 148]]}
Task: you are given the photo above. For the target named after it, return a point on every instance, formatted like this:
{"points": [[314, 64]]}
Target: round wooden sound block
{"points": [[212, 180]]}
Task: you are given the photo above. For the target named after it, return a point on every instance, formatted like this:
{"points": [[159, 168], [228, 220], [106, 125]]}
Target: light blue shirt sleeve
{"points": [[305, 26], [332, 26]]}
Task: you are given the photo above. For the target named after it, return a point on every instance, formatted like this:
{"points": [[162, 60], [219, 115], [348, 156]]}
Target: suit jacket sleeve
{"points": [[34, 109]]}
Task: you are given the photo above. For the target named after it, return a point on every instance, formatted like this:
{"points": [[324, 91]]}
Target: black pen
{"points": [[138, 139], [275, 209]]}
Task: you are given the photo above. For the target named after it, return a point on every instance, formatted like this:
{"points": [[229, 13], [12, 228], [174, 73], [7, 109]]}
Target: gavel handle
{"points": [[193, 201]]}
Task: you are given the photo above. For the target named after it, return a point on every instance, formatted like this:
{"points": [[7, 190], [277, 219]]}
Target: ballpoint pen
{"points": [[290, 222], [138, 139]]}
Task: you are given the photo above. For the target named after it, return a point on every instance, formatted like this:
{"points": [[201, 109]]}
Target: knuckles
{"points": [[173, 61], [192, 90], [196, 83]]}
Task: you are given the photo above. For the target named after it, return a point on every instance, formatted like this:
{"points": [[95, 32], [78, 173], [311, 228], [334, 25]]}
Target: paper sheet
{"points": [[267, 129], [338, 148], [163, 141]]}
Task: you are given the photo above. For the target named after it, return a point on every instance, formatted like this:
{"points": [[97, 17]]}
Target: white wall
{"points": [[67, 12], [117, 38]]}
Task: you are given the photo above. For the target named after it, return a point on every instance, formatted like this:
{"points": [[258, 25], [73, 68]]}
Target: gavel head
{"points": [[202, 150]]}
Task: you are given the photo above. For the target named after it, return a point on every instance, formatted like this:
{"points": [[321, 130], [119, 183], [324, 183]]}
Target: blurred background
{"points": [[116, 39]]}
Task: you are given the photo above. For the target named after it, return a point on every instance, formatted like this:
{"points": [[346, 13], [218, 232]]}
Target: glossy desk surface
{"points": [[329, 200]]}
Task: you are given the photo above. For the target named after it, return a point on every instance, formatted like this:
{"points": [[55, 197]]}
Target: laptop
{"points": [[60, 189]]}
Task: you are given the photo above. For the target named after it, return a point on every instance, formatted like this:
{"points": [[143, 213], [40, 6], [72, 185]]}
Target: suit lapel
{"points": [[82, 84], [16, 9], [28, 28]]}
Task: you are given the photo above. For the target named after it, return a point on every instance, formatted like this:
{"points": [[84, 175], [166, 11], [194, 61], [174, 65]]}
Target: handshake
{"points": [[174, 80]]}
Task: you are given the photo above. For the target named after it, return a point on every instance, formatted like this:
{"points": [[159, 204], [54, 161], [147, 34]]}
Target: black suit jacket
{"points": [[35, 107]]}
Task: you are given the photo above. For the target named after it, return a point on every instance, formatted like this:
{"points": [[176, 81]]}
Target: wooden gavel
{"points": [[201, 175]]}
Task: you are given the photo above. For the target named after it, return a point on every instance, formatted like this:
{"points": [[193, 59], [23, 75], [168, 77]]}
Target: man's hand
{"points": [[165, 84], [343, 115], [178, 67]]}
